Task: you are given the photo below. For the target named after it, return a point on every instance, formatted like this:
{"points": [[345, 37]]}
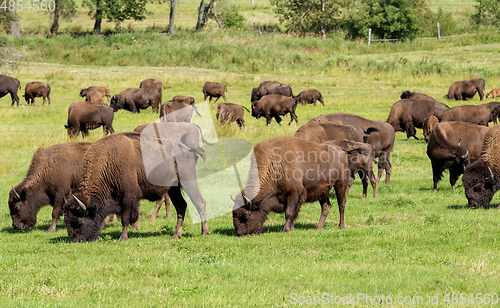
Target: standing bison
{"points": [[83, 116], [320, 132], [114, 179], [382, 142], [153, 84], [481, 179], [135, 99], [462, 90], [179, 109], [274, 106], [474, 114], [229, 112], [452, 145], [270, 87], [36, 89], [408, 114], [9, 85], [310, 97], [54, 174], [285, 173], [95, 97], [105, 91], [214, 89]]}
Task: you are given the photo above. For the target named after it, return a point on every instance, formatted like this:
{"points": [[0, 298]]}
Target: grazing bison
{"points": [[494, 108], [135, 99], [36, 89], [462, 90], [54, 174], [274, 106], [105, 91], [382, 142], [285, 173], [214, 89], [452, 145], [310, 97], [494, 93], [83, 116], [153, 84], [270, 87], [114, 179], [474, 114], [95, 97], [229, 112], [428, 126], [408, 114], [178, 111], [416, 95], [187, 133], [320, 132], [481, 179], [9, 85], [360, 162]]}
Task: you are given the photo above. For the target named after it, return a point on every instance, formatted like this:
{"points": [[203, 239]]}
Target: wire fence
{"points": [[439, 37]]}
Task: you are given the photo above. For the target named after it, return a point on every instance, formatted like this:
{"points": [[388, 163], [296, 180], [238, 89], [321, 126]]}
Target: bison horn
{"points": [[64, 198], [489, 179], [80, 203], [232, 198], [459, 141], [15, 192], [248, 201]]}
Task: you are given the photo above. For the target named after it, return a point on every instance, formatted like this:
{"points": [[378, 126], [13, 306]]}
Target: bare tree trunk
{"points": [[171, 26], [215, 14], [55, 20], [202, 15], [13, 23], [98, 18], [323, 32]]}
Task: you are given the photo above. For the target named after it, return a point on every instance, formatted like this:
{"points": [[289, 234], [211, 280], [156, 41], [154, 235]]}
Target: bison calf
{"points": [[95, 97], [285, 173], [310, 97], [36, 89], [105, 91], [494, 93], [214, 89]]}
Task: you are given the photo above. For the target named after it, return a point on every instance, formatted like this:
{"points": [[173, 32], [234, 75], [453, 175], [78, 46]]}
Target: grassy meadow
{"points": [[408, 243]]}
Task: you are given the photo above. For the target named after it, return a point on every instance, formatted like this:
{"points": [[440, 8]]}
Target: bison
{"points": [[274, 106], [474, 114], [494, 108], [53, 175], [360, 162], [382, 142], [95, 97], [270, 87], [408, 114], [9, 85], [83, 116], [153, 84], [320, 132], [452, 145], [462, 90], [494, 93], [481, 179], [36, 89], [135, 99], [229, 112], [105, 91], [310, 97], [416, 95], [285, 173], [114, 179], [428, 126], [178, 110], [214, 89]]}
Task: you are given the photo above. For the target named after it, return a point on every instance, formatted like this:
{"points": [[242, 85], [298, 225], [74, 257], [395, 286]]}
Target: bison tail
{"points": [[371, 130], [246, 109]]}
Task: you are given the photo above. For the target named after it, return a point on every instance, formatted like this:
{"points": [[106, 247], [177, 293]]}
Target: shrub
{"points": [[231, 17]]}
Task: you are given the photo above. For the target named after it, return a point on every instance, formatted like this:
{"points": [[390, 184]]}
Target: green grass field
{"points": [[409, 243]]}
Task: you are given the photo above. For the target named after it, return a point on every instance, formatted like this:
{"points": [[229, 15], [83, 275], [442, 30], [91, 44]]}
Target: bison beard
{"points": [[273, 194]]}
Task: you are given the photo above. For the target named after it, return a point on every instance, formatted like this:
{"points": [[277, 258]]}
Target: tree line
{"points": [[388, 19]]}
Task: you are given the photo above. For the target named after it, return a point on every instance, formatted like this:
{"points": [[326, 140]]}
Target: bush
{"points": [[230, 17]]}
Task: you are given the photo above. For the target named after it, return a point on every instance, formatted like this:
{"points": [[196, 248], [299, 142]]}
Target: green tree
{"points": [[488, 12], [391, 19], [115, 11], [62, 8]]}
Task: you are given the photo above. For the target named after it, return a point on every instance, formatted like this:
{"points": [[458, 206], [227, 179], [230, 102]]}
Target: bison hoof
{"points": [[341, 226]]}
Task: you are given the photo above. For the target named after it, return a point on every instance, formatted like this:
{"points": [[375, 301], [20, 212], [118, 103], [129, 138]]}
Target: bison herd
{"points": [[87, 182]]}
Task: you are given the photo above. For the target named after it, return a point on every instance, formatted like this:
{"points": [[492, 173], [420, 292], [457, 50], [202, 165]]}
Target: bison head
{"points": [[256, 109], [405, 94], [82, 221], [116, 103], [22, 210], [480, 184], [83, 92], [255, 94], [247, 219]]}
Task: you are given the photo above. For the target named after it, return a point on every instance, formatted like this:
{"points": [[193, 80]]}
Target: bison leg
{"points": [[325, 209], [56, 211], [293, 117], [364, 180], [292, 210], [44, 99], [351, 180], [130, 213], [321, 101], [193, 191], [180, 207], [216, 99], [384, 164], [340, 192], [241, 124]]}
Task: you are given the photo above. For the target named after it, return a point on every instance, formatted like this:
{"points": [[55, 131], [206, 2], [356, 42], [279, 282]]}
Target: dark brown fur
{"points": [[9, 85], [178, 110], [214, 89], [474, 114], [278, 191], [428, 126], [54, 174], [320, 132], [135, 99], [83, 116], [153, 84], [36, 89], [105, 91], [274, 106], [229, 112], [270, 87], [462, 90], [416, 95], [310, 97], [95, 97]]}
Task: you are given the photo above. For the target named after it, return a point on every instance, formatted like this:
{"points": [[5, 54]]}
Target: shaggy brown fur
{"points": [[214, 89], [105, 91], [83, 116], [310, 97], [95, 97], [154, 84], [270, 87], [428, 126], [320, 132], [229, 112], [36, 89], [474, 114], [135, 99], [416, 95], [462, 90]]}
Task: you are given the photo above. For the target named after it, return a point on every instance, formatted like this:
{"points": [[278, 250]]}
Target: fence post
{"points": [[369, 36], [439, 32]]}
